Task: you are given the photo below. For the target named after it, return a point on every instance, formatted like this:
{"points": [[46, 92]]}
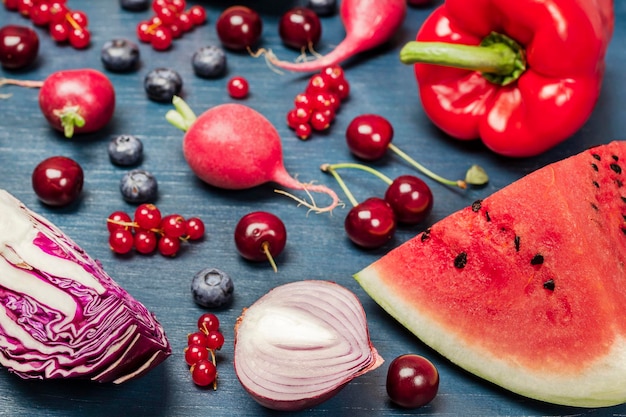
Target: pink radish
{"points": [[74, 101], [368, 24], [234, 147]]}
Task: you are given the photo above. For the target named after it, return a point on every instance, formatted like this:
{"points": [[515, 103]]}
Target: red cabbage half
{"points": [[61, 315]]}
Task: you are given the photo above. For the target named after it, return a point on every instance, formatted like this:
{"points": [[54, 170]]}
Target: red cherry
{"points": [[371, 223], [410, 198], [368, 136], [260, 236], [58, 180], [412, 381], [19, 46], [299, 28], [239, 27]]}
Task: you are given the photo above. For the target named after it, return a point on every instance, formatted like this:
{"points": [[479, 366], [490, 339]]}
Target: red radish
{"points": [[74, 101], [234, 147], [368, 24]]}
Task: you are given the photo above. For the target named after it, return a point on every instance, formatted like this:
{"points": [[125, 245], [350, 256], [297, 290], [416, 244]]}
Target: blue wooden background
{"points": [[317, 247]]}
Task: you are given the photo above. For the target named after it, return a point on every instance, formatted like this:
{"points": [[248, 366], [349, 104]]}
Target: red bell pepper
{"points": [[522, 75]]}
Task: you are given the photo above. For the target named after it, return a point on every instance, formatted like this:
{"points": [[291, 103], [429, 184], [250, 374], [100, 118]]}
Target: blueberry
{"points": [[212, 288], [134, 5], [120, 55], [125, 150], [162, 84], [139, 186], [209, 62], [323, 7]]}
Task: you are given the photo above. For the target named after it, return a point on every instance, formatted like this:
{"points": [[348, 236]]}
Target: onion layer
{"points": [[302, 342]]}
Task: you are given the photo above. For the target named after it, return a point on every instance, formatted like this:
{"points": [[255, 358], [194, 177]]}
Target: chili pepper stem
{"points": [[458, 183], [499, 58], [329, 168]]}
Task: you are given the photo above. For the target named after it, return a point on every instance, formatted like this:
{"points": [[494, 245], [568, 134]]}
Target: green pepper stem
{"points": [[499, 58], [329, 168], [458, 183]]}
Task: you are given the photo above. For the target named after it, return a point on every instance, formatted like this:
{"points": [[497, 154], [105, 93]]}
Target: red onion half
{"points": [[300, 343]]}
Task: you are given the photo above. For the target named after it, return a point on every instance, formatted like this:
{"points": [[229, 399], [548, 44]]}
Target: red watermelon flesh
{"points": [[526, 288]]}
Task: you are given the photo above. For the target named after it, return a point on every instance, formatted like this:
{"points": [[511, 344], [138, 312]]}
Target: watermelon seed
{"points": [[487, 217], [549, 284], [615, 157], [593, 206], [623, 199], [619, 183], [517, 242], [595, 184], [425, 235], [461, 260], [537, 259], [596, 156], [616, 168], [476, 205], [594, 166]]}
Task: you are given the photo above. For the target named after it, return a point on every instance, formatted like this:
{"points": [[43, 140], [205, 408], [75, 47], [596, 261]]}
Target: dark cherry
{"points": [[19, 46], [257, 232], [412, 381], [299, 28], [368, 136], [239, 27], [371, 223], [410, 198], [58, 180]]}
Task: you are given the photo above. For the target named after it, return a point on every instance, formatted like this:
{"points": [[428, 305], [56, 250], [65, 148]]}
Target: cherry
{"points": [[260, 236], [58, 180], [368, 137], [238, 87], [239, 27], [410, 198], [19, 46], [412, 381], [371, 223], [299, 28]]}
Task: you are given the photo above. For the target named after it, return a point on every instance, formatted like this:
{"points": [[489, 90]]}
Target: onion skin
{"points": [[301, 343]]}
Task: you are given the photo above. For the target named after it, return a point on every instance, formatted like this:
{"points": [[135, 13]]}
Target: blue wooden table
{"points": [[317, 247]]}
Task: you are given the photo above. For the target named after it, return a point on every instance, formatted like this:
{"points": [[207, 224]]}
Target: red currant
{"points": [[161, 38], [410, 198], [121, 241], [197, 338], [173, 226], [371, 223], [145, 241], [303, 131], [197, 15], [260, 236], [144, 31], [215, 340], [195, 353], [203, 373], [208, 322], [147, 216], [412, 381], [114, 220], [368, 136], [194, 228], [79, 38], [238, 87], [299, 28], [239, 27], [168, 246]]}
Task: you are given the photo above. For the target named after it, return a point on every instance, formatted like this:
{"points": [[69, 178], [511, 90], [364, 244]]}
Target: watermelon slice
{"points": [[526, 288]]}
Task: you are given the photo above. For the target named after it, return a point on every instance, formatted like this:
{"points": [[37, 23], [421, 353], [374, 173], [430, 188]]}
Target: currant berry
{"points": [[196, 353], [173, 226], [260, 236], [79, 38], [145, 241], [203, 373], [197, 338], [208, 322], [197, 14], [168, 246], [194, 228], [238, 87], [215, 340], [118, 220], [161, 38], [121, 241]]}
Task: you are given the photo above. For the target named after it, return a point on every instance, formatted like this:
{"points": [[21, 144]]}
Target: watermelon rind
{"points": [[480, 315]]}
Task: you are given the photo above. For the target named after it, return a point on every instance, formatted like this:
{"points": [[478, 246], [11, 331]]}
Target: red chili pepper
{"points": [[522, 75]]}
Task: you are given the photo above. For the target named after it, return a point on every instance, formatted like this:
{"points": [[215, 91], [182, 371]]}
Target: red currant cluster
{"points": [[64, 24], [149, 231], [200, 350], [316, 107], [169, 22]]}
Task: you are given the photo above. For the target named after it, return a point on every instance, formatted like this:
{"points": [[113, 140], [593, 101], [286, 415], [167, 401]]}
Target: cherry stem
{"points": [[362, 167], [330, 169], [265, 247], [458, 183]]}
